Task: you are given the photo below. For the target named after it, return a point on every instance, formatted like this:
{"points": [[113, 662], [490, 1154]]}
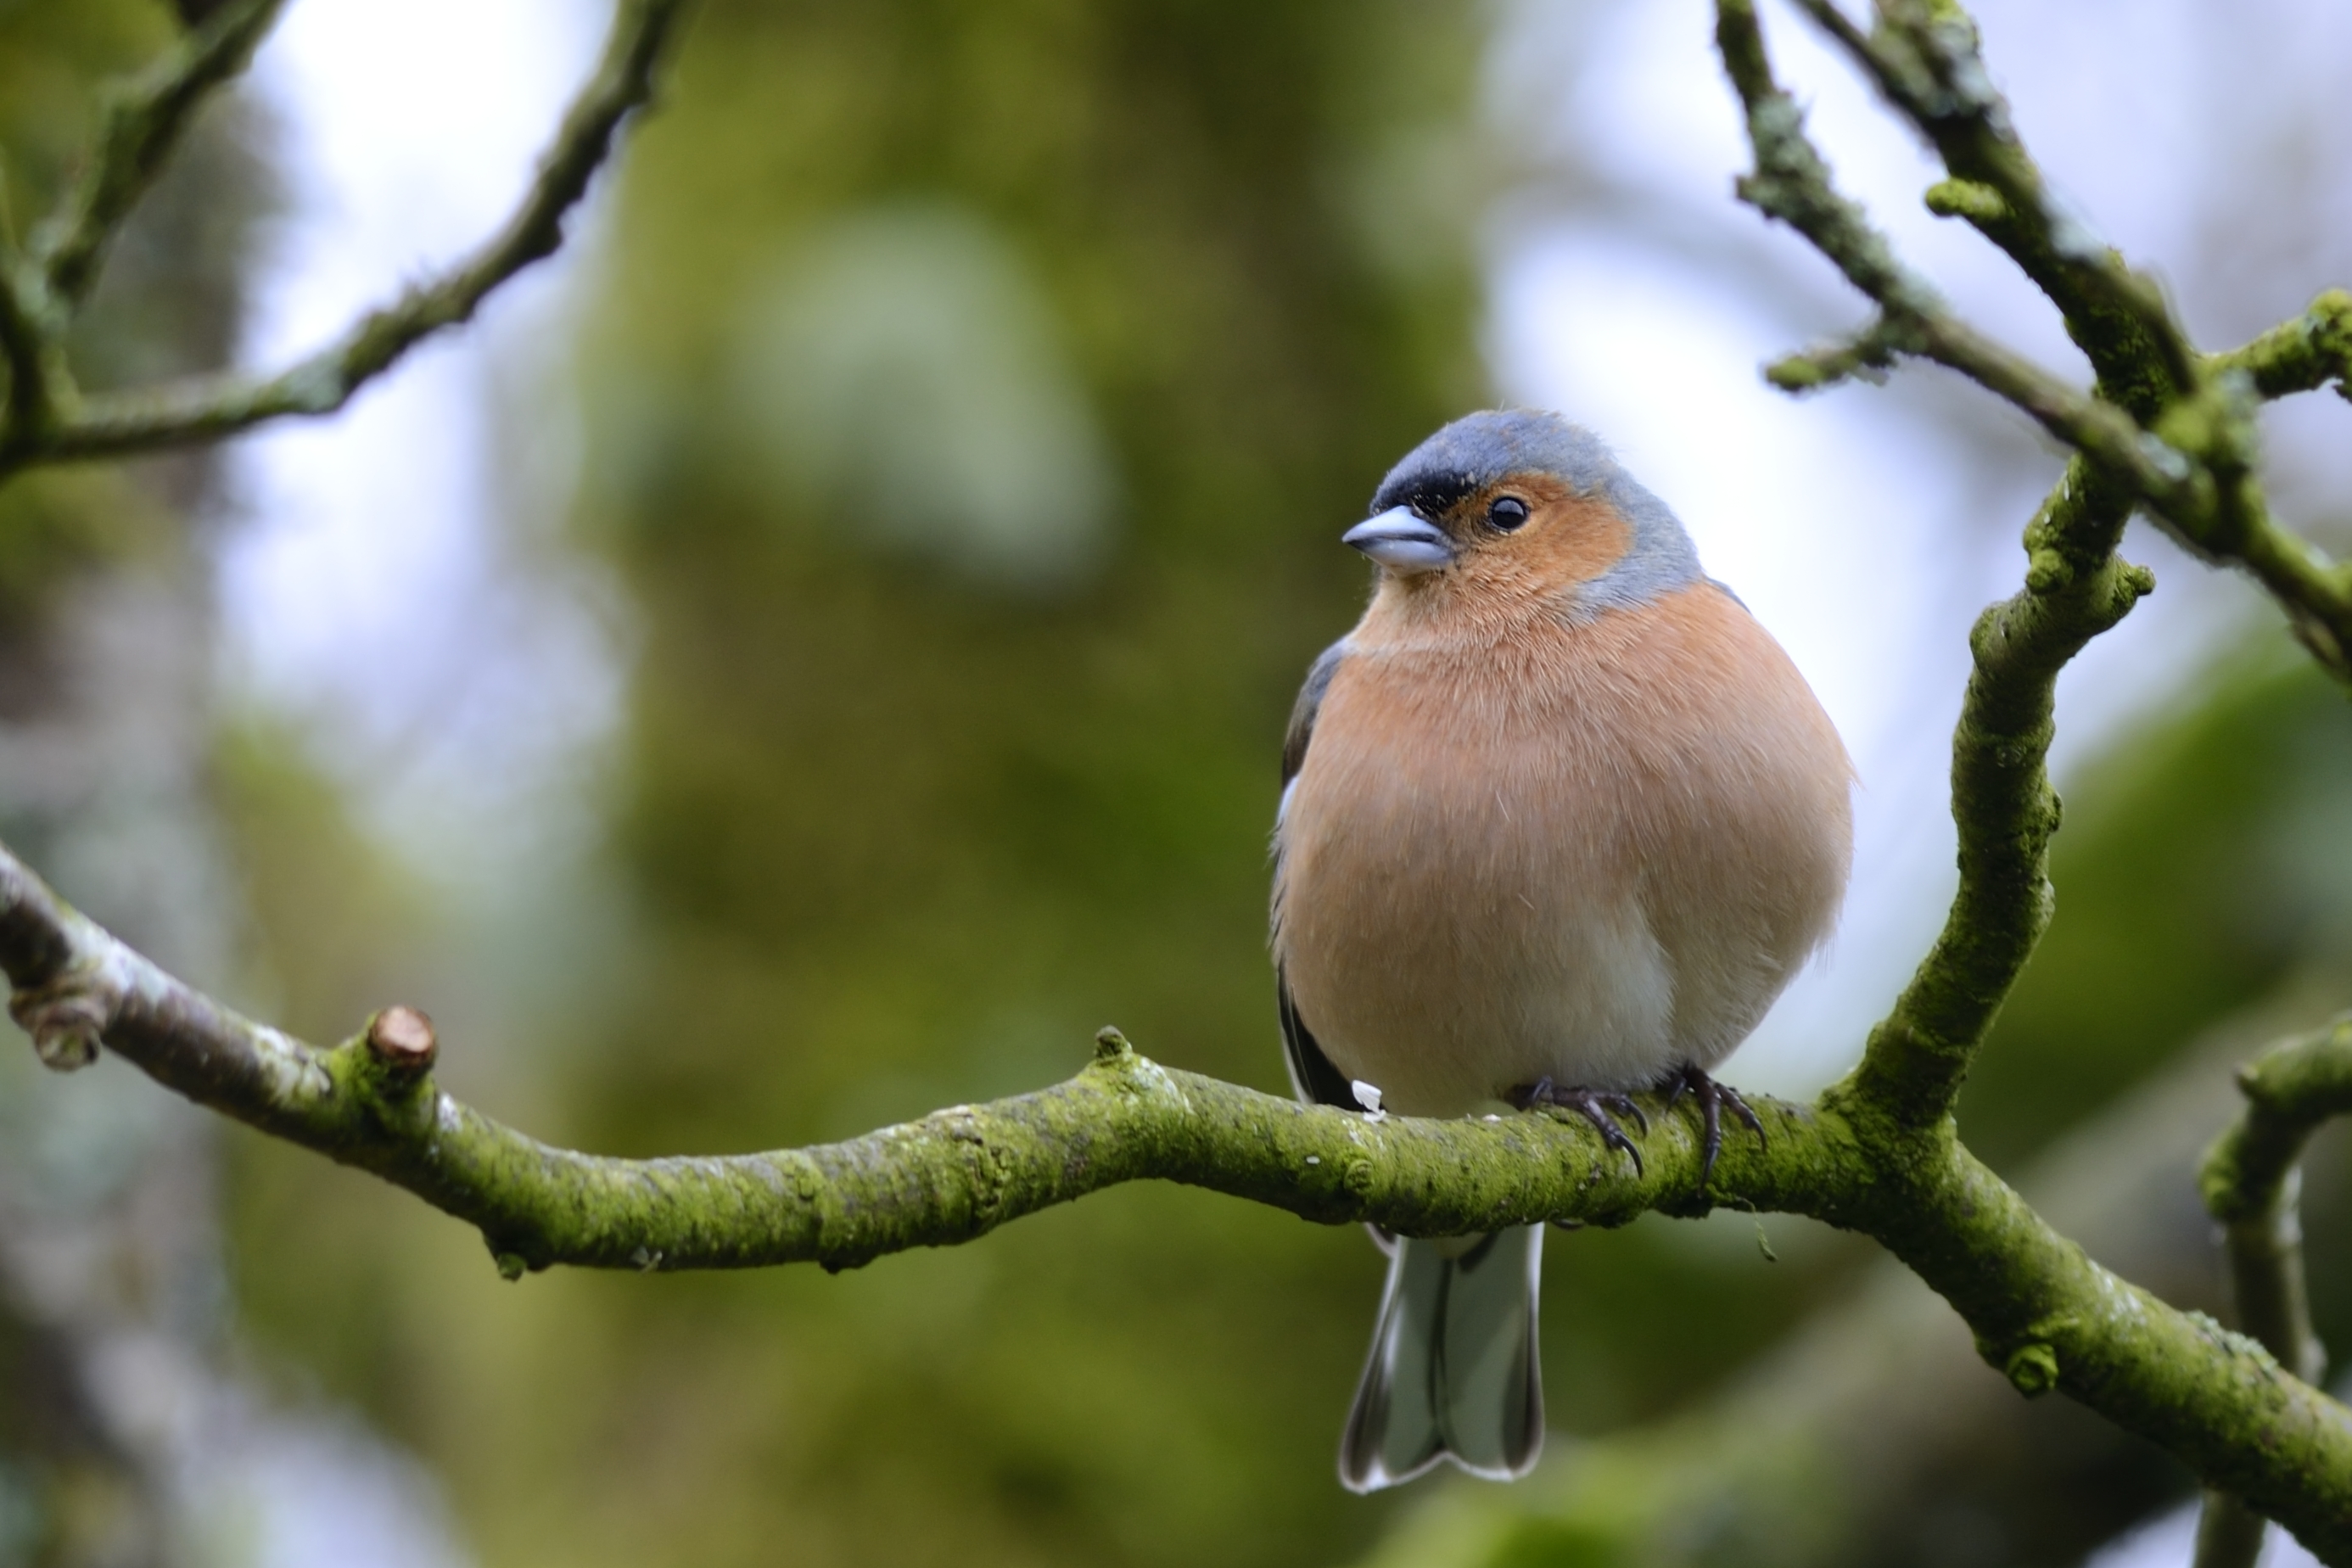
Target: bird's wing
{"points": [[1312, 1075], [1302, 713]]}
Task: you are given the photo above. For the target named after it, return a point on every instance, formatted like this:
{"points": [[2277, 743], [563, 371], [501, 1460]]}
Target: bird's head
{"points": [[1521, 503]]}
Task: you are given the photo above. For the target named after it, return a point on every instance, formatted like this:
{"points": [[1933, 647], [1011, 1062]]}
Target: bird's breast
{"points": [[1583, 851]]}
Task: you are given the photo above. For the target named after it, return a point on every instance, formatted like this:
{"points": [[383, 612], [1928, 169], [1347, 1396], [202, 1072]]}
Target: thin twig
{"points": [[1792, 183], [2249, 1181], [2301, 355], [2181, 441], [143, 123], [207, 408], [2075, 588], [1926, 60]]}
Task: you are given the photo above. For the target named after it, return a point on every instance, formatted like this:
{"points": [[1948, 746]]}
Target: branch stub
{"points": [[401, 1038], [2033, 1370]]}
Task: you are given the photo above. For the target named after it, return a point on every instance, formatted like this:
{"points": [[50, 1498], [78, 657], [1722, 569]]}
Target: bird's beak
{"points": [[1401, 542]]}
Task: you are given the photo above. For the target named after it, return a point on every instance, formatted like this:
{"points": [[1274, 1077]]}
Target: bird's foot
{"points": [[1595, 1105], [1712, 1098]]}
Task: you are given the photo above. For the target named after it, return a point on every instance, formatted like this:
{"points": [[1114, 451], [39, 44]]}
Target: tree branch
{"points": [[2180, 442], [2076, 587], [2164, 429], [206, 408], [2042, 1310], [143, 123], [2301, 355], [1925, 59], [1844, 1444], [954, 1175], [1791, 183], [2249, 1182]]}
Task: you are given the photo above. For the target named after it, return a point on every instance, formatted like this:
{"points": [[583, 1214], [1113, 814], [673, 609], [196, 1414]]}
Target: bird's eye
{"points": [[1506, 514]]}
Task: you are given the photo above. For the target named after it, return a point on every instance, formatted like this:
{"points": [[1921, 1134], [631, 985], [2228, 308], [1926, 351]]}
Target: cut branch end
{"points": [[401, 1038]]}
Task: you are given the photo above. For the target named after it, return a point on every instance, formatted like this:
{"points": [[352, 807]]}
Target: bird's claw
{"points": [[1599, 1106], [1712, 1098]]}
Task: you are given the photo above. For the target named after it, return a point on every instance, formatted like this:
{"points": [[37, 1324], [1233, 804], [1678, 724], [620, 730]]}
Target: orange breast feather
{"points": [[1522, 847]]}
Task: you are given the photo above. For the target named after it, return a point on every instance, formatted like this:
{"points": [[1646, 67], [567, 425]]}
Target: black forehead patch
{"points": [[1431, 492]]}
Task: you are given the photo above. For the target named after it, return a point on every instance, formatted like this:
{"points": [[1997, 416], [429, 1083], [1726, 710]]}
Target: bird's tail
{"points": [[1453, 1373]]}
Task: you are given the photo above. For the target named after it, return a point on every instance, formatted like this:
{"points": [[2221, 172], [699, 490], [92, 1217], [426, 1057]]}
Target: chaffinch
{"points": [[1559, 821]]}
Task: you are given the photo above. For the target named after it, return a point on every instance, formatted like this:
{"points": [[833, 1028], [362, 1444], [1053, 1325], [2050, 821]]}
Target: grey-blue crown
{"points": [[1480, 448]]}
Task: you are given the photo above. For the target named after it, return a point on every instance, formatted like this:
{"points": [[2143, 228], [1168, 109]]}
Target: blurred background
{"points": [[817, 649]]}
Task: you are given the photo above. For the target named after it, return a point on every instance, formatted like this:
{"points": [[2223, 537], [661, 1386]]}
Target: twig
{"points": [[143, 123], [2249, 1178], [1867, 355], [2249, 1182], [371, 1102], [2076, 587], [2180, 441], [1926, 61], [1792, 183], [2301, 355], [207, 408]]}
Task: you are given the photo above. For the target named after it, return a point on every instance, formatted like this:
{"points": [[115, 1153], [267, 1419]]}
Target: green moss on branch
{"points": [[2301, 355], [1926, 60], [2075, 588], [2248, 1185], [2291, 1091], [2176, 439], [2049, 1316], [1791, 183], [2042, 1311]]}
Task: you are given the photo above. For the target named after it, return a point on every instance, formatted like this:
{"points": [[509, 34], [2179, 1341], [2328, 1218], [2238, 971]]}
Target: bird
{"points": [[1559, 821]]}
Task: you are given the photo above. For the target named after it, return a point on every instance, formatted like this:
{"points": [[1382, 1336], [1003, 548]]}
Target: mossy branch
{"points": [[2291, 1091], [1924, 58], [2301, 355], [141, 125], [2076, 587], [371, 1102], [43, 426], [2172, 428], [2248, 1183], [2163, 428], [2043, 1312], [1791, 183]]}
